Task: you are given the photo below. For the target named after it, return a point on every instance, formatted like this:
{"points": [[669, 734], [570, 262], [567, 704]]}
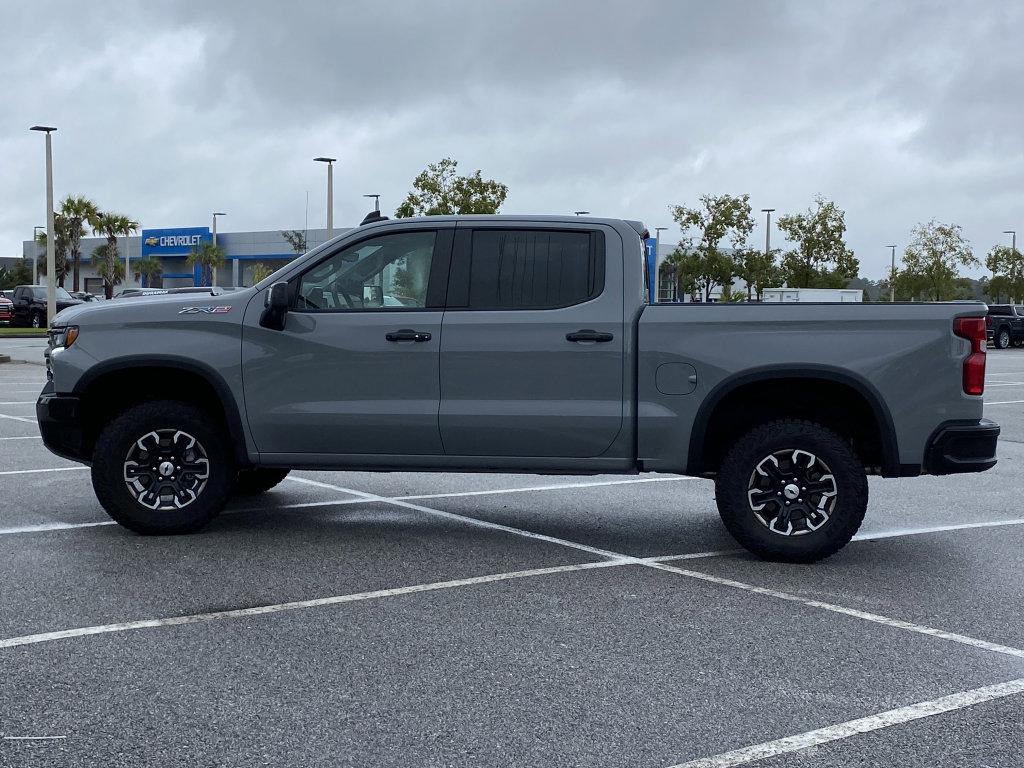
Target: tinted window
{"points": [[998, 310], [533, 269], [387, 272]]}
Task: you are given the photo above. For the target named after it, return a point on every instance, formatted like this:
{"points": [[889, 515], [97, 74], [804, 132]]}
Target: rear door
{"points": [[532, 341]]}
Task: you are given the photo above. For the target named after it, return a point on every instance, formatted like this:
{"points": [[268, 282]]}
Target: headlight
{"points": [[62, 338]]}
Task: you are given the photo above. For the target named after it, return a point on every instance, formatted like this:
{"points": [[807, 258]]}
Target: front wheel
{"points": [[162, 467], [792, 491], [37, 320]]}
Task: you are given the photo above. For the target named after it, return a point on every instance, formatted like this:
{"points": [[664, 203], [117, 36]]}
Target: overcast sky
{"points": [[167, 111]]}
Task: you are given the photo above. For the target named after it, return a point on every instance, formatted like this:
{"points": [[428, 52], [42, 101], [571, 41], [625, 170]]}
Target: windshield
{"points": [[63, 294]]}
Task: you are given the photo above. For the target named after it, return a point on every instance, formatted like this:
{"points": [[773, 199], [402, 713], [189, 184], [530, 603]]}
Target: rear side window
{"points": [[998, 310], [528, 269]]}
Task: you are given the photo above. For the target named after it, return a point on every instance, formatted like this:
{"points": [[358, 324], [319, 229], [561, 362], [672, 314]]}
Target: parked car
{"points": [[1005, 325], [30, 304], [84, 296], [513, 344], [6, 309]]}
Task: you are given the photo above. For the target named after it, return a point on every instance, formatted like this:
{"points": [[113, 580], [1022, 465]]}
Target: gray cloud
{"points": [[167, 111]]}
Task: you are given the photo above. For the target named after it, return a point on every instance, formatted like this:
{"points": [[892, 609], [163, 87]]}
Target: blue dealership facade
{"points": [[172, 245]]}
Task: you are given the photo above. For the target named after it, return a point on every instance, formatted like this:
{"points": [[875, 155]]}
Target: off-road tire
{"points": [[120, 439], [1002, 339], [251, 482], [737, 474]]}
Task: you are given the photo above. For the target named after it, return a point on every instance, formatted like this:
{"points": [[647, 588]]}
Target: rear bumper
{"points": [[962, 446], [60, 424]]}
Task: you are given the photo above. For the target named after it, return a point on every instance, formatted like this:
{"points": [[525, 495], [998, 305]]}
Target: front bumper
{"points": [[60, 424], [962, 446]]}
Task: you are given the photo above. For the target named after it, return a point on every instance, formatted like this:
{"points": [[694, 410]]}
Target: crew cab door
{"points": [[532, 342], [355, 369]]}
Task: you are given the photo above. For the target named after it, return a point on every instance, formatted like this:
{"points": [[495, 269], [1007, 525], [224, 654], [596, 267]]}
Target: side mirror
{"points": [[275, 307]]}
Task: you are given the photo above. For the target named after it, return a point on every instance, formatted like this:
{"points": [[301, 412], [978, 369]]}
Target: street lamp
{"points": [[657, 253], [51, 256], [767, 230], [892, 275], [376, 202], [35, 258], [234, 263], [330, 192], [581, 213]]}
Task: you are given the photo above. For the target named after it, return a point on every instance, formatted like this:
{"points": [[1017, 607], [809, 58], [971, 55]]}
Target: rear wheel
{"points": [[1002, 340], [162, 468], [792, 491], [259, 480]]}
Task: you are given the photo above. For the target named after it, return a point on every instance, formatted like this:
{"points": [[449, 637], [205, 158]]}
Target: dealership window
{"points": [[382, 273], [532, 269]]}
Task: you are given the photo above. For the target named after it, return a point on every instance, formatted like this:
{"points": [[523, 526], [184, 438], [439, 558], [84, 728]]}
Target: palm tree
{"points": [[208, 256], [149, 269], [112, 226], [79, 211], [108, 266]]}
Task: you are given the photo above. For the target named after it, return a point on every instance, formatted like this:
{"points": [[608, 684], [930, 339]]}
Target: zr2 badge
{"points": [[203, 310]]}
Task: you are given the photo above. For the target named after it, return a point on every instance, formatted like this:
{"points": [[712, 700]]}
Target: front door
{"points": [[532, 343], [355, 370]]}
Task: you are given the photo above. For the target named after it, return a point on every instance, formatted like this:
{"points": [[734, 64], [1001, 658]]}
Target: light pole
{"points": [[1013, 234], [892, 275], [767, 230], [582, 213], [330, 192], [51, 256], [376, 202], [657, 255], [234, 264], [35, 259]]}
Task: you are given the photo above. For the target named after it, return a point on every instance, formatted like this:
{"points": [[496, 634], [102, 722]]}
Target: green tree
{"points": [[112, 226], [1007, 268], [19, 274], [440, 191], [80, 212], [820, 258], [296, 239], [931, 263], [261, 271], [699, 257], [209, 257], [108, 266], [149, 270], [62, 230], [758, 270]]}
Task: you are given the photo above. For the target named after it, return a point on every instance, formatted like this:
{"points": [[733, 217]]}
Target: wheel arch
{"points": [[819, 386], [102, 390]]}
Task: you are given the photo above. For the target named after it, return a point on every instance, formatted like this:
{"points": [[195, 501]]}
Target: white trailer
{"points": [[787, 295]]}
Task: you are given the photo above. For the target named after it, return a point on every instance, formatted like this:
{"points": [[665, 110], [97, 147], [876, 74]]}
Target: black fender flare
{"points": [[883, 418], [206, 372]]}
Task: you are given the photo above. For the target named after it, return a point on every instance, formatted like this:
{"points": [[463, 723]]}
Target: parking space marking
{"points": [[17, 418], [24, 437], [197, 618], [935, 529], [629, 559], [1004, 402], [987, 386], [875, 618], [38, 471], [18, 402], [814, 738]]}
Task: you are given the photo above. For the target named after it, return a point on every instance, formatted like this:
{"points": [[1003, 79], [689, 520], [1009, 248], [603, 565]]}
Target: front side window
{"points": [[533, 269], [382, 273]]}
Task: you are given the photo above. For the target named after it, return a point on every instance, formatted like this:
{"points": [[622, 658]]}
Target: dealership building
{"points": [[242, 251]]}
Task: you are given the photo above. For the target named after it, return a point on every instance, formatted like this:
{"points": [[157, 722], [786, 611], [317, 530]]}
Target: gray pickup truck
{"points": [[513, 344]]}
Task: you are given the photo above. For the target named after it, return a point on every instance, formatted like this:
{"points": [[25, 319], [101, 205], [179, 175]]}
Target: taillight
{"points": [[973, 329]]}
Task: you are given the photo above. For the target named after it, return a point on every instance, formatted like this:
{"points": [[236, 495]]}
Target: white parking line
{"points": [[32, 738], [17, 418], [38, 471], [935, 529], [18, 402], [197, 618], [1004, 402], [814, 738], [987, 386], [875, 618], [554, 487], [25, 437]]}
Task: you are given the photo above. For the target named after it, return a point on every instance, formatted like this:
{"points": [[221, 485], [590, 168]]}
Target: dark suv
{"points": [[30, 304], [1005, 323]]}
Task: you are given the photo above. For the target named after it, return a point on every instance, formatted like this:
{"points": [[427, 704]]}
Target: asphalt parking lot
{"points": [[443, 619]]}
